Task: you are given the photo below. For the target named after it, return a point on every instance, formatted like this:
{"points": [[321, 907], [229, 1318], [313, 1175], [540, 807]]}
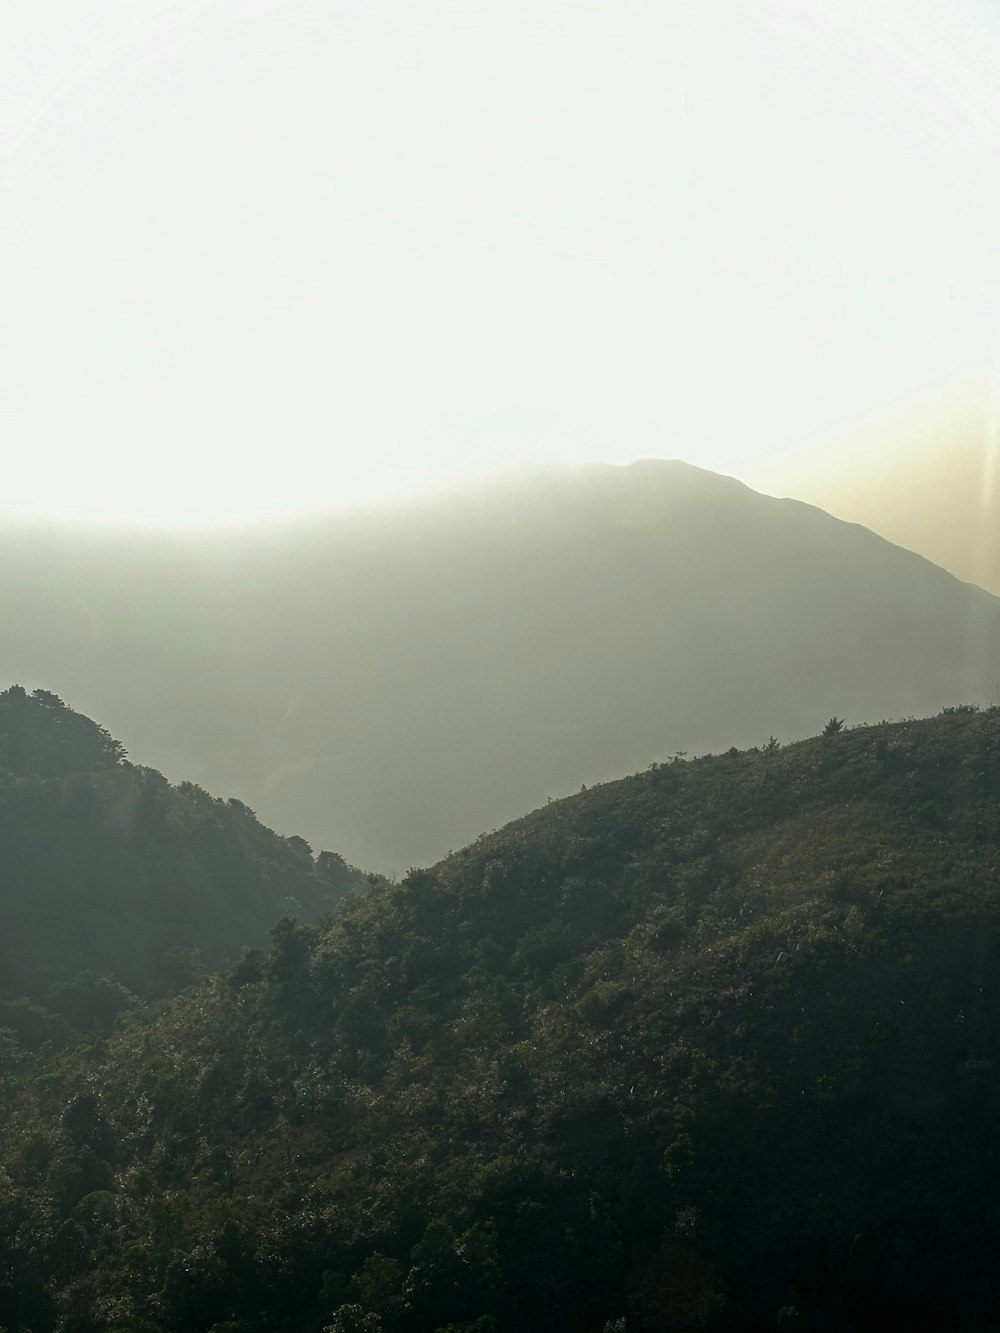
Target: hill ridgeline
{"points": [[392, 683], [711, 1047]]}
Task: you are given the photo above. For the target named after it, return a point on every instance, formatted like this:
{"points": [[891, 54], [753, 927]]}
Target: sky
{"points": [[264, 255]]}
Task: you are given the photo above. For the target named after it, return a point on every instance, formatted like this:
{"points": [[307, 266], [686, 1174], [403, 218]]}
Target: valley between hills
{"points": [[709, 1047], [391, 682], [463, 870], [712, 1046]]}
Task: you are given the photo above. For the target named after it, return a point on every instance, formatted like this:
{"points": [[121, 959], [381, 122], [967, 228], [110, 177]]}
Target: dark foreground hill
{"points": [[713, 1047], [113, 883], [392, 683]]}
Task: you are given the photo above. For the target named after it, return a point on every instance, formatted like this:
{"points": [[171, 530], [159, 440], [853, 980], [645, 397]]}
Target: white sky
{"points": [[263, 253]]}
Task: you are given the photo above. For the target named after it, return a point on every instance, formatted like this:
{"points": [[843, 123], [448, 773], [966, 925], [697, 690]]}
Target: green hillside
{"points": [[712, 1047], [115, 884]]}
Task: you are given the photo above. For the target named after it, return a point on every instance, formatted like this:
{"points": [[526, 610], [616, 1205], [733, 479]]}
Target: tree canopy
{"points": [[117, 884], [712, 1047]]}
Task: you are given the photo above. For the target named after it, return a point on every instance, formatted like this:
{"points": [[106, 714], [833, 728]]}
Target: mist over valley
{"points": [[390, 683], [499, 666]]}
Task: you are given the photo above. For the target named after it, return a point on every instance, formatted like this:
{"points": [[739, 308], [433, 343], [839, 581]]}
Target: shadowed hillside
{"points": [[713, 1047], [114, 884], [394, 682]]}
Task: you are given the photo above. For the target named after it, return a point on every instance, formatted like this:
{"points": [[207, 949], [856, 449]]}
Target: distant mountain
{"points": [[713, 1047], [925, 475], [114, 884], [393, 682]]}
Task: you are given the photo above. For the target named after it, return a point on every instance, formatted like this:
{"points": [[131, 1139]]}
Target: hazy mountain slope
{"points": [[393, 683], [926, 475], [709, 1048], [113, 881]]}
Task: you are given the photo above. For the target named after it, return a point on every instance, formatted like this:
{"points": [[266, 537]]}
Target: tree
{"points": [[353, 1319], [834, 727]]}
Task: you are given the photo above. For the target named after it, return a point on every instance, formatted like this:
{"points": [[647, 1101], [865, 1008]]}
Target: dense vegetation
{"points": [[117, 884], [712, 1047]]}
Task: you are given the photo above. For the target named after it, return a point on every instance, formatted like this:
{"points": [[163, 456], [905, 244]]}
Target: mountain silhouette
{"points": [[925, 475], [392, 682]]}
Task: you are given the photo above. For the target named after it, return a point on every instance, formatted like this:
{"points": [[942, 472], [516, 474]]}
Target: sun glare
{"points": [[263, 258]]}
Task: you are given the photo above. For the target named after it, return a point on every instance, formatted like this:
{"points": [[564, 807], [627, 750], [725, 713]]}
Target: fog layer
{"points": [[391, 684]]}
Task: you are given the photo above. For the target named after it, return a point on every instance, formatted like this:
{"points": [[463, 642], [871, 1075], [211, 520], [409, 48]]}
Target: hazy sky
{"points": [[263, 253]]}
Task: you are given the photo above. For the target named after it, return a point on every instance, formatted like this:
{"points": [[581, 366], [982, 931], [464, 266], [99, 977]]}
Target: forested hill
{"points": [[712, 1047], [390, 683], [115, 884]]}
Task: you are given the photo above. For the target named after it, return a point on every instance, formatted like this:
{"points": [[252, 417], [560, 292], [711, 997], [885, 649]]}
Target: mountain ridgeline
{"points": [[711, 1047], [114, 884], [392, 683]]}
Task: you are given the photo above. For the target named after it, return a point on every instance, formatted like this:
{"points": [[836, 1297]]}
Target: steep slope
{"points": [[709, 1048], [393, 683], [926, 475], [112, 881]]}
